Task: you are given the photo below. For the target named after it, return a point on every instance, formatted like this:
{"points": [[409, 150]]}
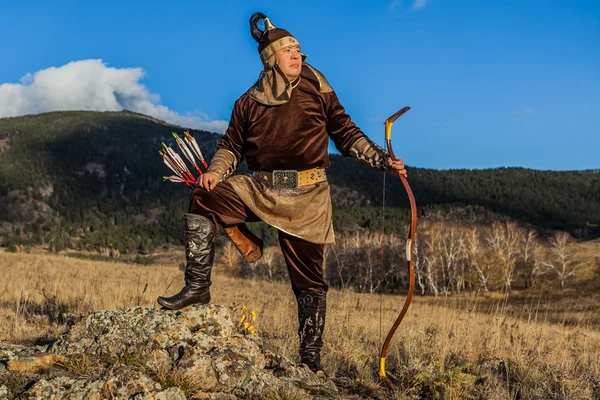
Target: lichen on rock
{"points": [[146, 353]]}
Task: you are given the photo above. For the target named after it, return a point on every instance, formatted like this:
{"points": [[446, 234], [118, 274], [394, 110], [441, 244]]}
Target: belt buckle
{"points": [[285, 178]]}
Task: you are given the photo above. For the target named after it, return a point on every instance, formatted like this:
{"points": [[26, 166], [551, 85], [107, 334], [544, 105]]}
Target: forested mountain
{"points": [[87, 179]]}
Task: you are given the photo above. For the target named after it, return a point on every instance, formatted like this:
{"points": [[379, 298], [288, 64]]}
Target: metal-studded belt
{"points": [[290, 178]]}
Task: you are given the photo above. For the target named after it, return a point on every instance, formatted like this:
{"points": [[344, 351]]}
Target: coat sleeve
{"points": [[236, 133], [229, 153], [349, 139], [340, 127]]}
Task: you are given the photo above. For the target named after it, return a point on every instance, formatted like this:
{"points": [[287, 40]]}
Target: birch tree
{"points": [[431, 259], [503, 240], [475, 254], [531, 265], [564, 260], [452, 255]]}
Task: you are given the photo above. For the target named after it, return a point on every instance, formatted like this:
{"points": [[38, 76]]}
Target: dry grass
{"points": [[37, 292], [81, 365], [470, 347]]}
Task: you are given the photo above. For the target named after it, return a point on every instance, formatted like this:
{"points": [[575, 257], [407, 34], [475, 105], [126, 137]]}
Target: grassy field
{"points": [[534, 345]]}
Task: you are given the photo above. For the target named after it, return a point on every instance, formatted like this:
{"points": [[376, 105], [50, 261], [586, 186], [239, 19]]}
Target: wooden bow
{"points": [[409, 248]]}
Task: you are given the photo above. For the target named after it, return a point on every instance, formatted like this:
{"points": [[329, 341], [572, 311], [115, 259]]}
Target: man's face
{"points": [[290, 61]]}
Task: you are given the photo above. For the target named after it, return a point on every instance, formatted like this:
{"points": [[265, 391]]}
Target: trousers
{"points": [[304, 259]]}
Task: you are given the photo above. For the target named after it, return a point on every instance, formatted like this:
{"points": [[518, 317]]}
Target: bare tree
{"points": [[503, 239], [419, 264], [231, 258], [431, 260], [395, 260], [359, 260], [430, 266], [475, 254], [530, 264], [565, 261], [370, 264], [272, 262], [367, 249], [339, 266], [349, 264], [452, 253]]}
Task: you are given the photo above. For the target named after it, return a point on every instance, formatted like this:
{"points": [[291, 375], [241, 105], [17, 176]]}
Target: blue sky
{"points": [[490, 83]]}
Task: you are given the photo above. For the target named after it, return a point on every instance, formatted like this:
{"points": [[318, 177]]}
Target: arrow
{"points": [[176, 159], [195, 148], [186, 152]]}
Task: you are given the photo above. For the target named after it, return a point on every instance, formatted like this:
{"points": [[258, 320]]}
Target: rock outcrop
{"points": [[143, 353]]}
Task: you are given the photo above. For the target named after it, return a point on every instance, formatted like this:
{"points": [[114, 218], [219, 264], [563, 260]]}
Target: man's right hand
{"points": [[208, 181]]}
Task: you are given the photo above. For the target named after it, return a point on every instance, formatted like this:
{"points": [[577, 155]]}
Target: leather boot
{"points": [[249, 246], [311, 317], [200, 253]]}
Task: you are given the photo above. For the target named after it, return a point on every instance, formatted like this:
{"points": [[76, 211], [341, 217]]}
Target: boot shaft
{"points": [[312, 309], [200, 234], [199, 253]]}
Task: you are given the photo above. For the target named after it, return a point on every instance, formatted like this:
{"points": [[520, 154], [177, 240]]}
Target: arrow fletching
{"points": [[186, 152], [195, 148], [185, 172], [169, 163]]}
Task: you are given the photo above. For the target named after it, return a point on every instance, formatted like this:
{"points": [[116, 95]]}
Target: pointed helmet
{"points": [[271, 39]]}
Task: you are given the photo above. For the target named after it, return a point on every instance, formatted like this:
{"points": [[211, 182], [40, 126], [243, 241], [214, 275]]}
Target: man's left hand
{"points": [[396, 167]]}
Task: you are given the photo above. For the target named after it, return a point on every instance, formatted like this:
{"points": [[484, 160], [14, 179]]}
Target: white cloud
{"points": [[394, 4], [91, 85], [418, 4], [520, 114]]}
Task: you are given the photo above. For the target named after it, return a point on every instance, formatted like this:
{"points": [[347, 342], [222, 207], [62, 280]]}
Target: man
{"points": [[281, 126]]}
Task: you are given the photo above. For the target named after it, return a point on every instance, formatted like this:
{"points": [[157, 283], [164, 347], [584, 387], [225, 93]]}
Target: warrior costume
{"points": [[281, 129]]}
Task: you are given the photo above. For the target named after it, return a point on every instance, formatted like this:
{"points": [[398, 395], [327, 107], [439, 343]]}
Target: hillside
{"points": [[97, 177]]}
